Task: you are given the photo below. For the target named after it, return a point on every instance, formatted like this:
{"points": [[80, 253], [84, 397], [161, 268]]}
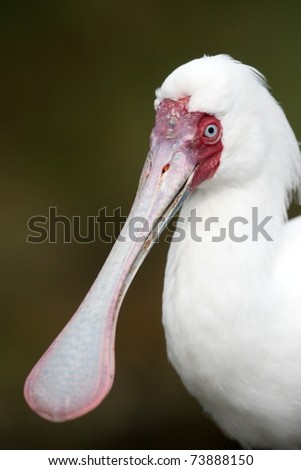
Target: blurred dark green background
{"points": [[77, 88]]}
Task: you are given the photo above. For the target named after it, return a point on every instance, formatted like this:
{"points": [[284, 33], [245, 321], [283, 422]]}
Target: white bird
{"points": [[222, 149]]}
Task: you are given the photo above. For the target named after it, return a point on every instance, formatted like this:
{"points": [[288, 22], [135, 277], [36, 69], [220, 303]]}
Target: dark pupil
{"points": [[211, 130]]}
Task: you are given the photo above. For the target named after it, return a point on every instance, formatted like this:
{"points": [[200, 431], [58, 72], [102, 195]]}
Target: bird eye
{"points": [[211, 131]]}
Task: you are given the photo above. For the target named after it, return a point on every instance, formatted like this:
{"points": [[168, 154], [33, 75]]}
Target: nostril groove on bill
{"points": [[165, 168]]}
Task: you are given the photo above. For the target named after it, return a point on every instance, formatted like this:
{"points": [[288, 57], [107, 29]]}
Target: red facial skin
{"points": [[185, 131]]}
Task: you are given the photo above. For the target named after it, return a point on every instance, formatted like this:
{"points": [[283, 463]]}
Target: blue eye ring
{"points": [[211, 131]]}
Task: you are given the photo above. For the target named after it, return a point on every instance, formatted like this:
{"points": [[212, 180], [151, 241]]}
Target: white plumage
{"points": [[231, 309]]}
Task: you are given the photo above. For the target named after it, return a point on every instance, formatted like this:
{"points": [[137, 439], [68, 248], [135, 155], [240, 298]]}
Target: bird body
{"points": [[232, 333], [222, 149]]}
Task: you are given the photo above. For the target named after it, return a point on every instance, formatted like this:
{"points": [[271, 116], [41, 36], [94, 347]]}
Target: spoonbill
{"points": [[223, 151]]}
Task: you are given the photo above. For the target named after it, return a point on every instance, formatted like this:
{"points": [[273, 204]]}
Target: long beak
{"points": [[76, 372]]}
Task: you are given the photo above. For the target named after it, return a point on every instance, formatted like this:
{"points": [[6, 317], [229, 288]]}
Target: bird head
{"points": [[217, 125]]}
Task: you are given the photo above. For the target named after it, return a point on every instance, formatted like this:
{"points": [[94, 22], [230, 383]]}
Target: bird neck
{"points": [[251, 214], [232, 246]]}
